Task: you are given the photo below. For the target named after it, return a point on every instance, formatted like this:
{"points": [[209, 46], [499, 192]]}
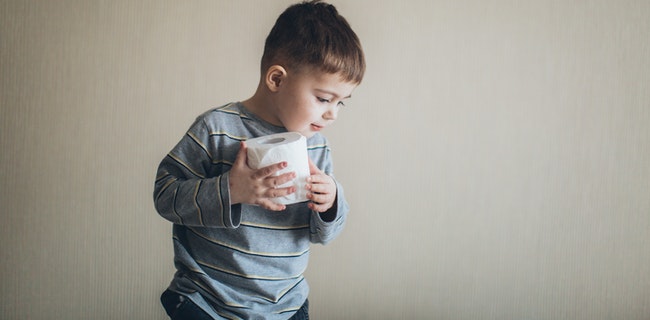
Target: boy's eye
{"points": [[323, 100]]}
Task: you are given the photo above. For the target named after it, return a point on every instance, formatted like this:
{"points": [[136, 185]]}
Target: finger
{"points": [[313, 169], [318, 207], [274, 182], [323, 184], [279, 192], [269, 170], [319, 179], [319, 188], [270, 205], [319, 198], [242, 157], [323, 199], [312, 197]]}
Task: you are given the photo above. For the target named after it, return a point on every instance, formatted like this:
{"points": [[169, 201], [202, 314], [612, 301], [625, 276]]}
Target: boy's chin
{"points": [[307, 134]]}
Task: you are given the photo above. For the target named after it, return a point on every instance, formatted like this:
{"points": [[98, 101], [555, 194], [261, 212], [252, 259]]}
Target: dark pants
{"points": [[181, 308]]}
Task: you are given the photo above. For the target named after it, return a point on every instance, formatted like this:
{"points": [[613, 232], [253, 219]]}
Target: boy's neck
{"points": [[259, 105]]}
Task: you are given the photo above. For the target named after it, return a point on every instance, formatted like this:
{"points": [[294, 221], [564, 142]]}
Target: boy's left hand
{"points": [[321, 189]]}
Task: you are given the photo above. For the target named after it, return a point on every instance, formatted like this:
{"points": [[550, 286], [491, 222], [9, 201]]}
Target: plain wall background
{"points": [[496, 156]]}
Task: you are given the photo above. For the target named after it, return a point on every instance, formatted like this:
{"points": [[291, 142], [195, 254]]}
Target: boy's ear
{"points": [[275, 77]]}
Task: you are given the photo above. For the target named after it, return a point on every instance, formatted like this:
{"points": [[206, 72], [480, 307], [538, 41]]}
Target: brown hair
{"points": [[314, 34]]}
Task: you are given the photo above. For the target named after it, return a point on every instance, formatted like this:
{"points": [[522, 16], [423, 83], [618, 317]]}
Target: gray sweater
{"points": [[237, 261]]}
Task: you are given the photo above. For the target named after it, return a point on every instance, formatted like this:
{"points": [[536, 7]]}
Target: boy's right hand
{"points": [[258, 187]]}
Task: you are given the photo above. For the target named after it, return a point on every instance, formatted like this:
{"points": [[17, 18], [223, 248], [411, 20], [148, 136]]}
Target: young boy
{"points": [[238, 254]]}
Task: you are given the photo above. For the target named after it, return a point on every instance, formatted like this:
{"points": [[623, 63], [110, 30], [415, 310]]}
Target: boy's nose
{"points": [[331, 113]]}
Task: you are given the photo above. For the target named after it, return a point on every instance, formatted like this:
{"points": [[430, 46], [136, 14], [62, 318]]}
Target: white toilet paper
{"points": [[290, 147]]}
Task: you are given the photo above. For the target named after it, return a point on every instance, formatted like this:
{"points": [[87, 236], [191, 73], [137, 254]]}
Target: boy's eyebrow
{"points": [[334, 94]]}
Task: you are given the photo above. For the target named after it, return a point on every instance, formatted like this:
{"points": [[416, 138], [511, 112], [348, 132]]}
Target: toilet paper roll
{"points": [[290, 147]]}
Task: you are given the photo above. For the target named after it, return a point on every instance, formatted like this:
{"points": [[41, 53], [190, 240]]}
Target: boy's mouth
{"points": [[316, 127]]}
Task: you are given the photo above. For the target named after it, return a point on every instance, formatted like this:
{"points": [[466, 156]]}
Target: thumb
{"points": [[313, 169], [242, 157]]}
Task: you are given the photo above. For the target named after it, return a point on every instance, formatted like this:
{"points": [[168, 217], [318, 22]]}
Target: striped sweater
{"points": [[237, 261]]}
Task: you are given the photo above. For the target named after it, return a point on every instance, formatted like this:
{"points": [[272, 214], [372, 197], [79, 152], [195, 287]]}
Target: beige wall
{"points": [[496, 157]]}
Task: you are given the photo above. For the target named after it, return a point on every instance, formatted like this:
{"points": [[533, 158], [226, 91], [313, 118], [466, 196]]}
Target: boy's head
{"points": [[312, 62], [313, 36]]}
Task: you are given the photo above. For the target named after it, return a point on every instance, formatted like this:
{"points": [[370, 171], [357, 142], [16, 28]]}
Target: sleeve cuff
{"points": [[230, 214]]}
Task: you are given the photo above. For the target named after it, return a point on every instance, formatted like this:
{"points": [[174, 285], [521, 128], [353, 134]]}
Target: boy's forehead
{"points": [[336, 86], [333, 83], [342, 95]]}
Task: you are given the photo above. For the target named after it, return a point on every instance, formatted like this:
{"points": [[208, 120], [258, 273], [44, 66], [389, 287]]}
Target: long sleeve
{"points": [[325, 227], [325, 230], [238, 255], [192, 185]]}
